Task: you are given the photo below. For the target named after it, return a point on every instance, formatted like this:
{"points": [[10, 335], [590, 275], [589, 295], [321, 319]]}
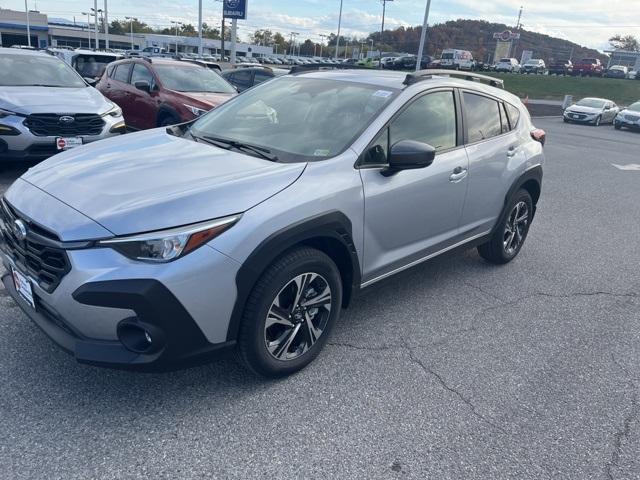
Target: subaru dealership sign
{"points": [[235, 9]]}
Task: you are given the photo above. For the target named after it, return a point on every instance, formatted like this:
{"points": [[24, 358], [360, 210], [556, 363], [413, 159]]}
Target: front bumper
{"points": [[185, 306], [582, 117], [27, 146]]}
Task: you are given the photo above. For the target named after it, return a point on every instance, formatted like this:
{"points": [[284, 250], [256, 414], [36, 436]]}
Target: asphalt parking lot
{"points": [[454, 369]]}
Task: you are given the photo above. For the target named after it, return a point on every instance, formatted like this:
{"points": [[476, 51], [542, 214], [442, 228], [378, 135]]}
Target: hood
{"points": [[210, 100], [152, 181], [580, 109], [28, 100]]}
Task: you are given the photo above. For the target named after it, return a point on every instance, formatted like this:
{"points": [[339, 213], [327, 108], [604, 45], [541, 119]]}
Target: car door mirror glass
{"points": [[143, 85], [410, 155]]}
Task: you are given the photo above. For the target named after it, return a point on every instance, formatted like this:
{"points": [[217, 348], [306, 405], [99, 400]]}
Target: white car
{"points": [[508, 65]]}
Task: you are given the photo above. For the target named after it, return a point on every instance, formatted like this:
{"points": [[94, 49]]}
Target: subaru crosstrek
{"points": [[46, 107], [253, 226]]}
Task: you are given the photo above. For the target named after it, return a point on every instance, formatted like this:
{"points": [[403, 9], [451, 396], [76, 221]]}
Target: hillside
{"points": [[477, 36]]}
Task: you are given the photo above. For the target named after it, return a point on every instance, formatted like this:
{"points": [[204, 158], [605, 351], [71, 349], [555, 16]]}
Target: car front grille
{"points": [[54, 125], [36, 254]]}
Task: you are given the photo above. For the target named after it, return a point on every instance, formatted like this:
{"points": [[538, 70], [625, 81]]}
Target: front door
{"points": [[414, 213], [143, 106]]}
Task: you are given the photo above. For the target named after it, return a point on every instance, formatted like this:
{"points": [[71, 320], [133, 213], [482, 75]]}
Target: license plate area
{"points": [[66, 143], [23, 287]]}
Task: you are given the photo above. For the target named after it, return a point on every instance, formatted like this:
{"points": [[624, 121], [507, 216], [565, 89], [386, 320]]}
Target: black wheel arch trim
{"points": [[333, 226], [533, 174], [167, 109]]}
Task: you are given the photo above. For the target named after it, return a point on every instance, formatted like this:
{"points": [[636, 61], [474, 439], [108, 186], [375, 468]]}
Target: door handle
{"points": [[512, 152], [458, 174]]}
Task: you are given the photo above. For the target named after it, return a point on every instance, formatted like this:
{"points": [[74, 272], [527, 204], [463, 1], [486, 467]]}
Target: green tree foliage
{"points": [[625, 42]]}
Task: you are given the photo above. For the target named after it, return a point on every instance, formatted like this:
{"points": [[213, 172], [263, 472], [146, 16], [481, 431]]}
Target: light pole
{"points": [[423, 36], [346, 47], [88, 14], [371, 46], [106, 25], [338, 37], [26, 9], [293, 43], [95, 12], [322, 36], [131, 23], [200, 27], [176, 23], [384, 11]]}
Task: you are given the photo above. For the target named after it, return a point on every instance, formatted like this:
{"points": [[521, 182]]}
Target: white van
{"points": [[457, 59], [89, 64]]}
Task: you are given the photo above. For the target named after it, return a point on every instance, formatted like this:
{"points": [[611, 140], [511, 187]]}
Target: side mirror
{"points": [[143, 85], [91, 81], [409, 155]]}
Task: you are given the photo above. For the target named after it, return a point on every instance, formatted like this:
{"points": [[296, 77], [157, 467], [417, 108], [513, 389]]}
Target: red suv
{"points": [[155, 92]]}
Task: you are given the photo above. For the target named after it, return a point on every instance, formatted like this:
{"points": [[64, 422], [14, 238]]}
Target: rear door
{"points": [[492, 145], [414, 213], [118, 88]]}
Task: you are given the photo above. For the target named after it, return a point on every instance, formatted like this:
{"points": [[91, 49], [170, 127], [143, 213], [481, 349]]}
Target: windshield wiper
{"points": [[227, 144]]}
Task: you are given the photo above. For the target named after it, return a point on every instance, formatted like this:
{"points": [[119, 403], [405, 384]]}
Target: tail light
{"points": [[539, 135]]}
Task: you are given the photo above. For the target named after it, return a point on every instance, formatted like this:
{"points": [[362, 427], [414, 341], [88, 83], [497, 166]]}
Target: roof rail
{"points": [[421, 75], [325, 66]]}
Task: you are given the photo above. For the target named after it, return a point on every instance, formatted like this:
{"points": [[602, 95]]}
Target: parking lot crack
{"points": [[621, 435], [380, 348], [451, 389]]}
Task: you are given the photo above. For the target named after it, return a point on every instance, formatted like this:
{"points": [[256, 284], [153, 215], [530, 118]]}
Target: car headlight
{"points": [[168, 245], [114, 111], [195, 110], [6, 113]]}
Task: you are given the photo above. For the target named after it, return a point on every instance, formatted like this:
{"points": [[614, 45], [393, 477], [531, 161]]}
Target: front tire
{"points": [[598, 121], [512, 231], [290, 313], [617, 126]]}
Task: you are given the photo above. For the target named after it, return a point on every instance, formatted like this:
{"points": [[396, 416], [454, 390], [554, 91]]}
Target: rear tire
{"points": [[290, 313], [511, 232]]}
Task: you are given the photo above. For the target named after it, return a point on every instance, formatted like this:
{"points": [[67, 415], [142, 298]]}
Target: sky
{"points": [[587, 22]]}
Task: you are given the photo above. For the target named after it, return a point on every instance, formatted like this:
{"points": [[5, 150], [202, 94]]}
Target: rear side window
{"points": [[122, 72], [261, 77], [242, 78], [430, 119], [514, 115], [110, 71], [482, 117]]}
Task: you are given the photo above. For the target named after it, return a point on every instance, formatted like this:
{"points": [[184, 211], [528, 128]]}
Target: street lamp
{"points": [[26, 9], [131, 19], [423, 36], [338, 37], [95, 12], [322, 36], [384, 11], [88, 14], [176, 23]]}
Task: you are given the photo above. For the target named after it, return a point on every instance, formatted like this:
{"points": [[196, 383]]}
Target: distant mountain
{"points": [[477, 37]]}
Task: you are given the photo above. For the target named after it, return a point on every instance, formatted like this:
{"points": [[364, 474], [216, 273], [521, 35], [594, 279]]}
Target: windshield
{"points": [[92, 66], [37, 70], [505, 60], [591, 102], [298, 118], [635, 107], [191, 78], [447, 56]]}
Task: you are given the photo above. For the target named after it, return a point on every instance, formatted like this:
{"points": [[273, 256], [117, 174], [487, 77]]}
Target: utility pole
{"points": [[338, 38], [384, 11], [362, 44], [346, 47], [26, 9], [234, 37], [131, 23], [423, 36], [322, 36], [199, 26], [106, 25], [292, 50]]}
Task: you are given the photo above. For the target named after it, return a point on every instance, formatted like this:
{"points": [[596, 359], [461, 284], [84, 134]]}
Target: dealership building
{"points": [[57, 32], [626, 58]]}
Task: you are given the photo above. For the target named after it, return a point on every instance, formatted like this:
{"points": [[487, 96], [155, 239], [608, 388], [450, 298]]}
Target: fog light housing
{"points": [[7, 130], [119, 127], [139, 337]]}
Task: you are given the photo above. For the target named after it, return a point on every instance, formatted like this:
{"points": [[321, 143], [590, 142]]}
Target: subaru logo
{"points": [[20, 230], [66, 120], [233, 3]]}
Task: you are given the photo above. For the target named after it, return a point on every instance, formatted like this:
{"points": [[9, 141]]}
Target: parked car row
{"points": [[598, 111]]}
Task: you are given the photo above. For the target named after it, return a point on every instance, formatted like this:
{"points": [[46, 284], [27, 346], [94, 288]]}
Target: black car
{"points": [[404, 63], [561, 67], [245, 78]]}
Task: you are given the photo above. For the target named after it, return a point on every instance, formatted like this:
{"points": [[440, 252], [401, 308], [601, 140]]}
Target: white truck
{"points": [[457, 59]]}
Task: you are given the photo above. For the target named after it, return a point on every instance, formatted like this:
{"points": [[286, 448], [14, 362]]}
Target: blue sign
{"points": [[235, 9]]}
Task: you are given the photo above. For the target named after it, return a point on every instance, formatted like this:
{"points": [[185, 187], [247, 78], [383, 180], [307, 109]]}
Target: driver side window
{"points": [[430, 119]]}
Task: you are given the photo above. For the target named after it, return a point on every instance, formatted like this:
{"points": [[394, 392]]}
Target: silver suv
{"points": [[46, 107], [253, 226]]}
